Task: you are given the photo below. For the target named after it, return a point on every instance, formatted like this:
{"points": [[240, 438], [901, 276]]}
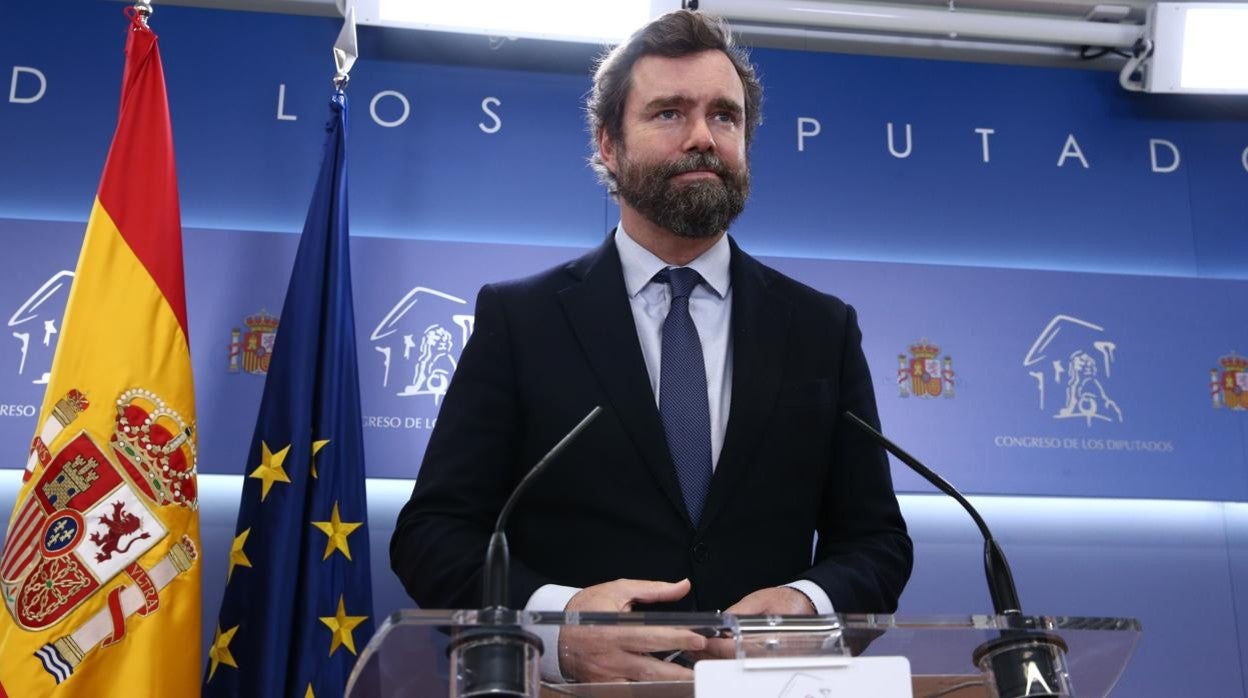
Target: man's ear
{"points": [[607, 150]]}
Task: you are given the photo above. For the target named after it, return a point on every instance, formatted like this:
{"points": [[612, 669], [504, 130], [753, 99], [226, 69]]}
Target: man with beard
{"points": [[720, 454]]}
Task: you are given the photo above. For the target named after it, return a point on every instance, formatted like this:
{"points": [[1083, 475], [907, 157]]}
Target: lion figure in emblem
{"points": [[121, 524]]}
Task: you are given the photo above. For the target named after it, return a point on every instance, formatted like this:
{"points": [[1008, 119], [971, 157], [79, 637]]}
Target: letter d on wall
{"points": [[43, 85], [1174, 153]]}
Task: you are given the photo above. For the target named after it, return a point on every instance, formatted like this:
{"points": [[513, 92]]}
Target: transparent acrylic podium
{"points": [[408, 656]]}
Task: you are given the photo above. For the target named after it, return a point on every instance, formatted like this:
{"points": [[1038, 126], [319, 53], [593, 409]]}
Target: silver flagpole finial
{"points": [[144, 10], [345, 48]]}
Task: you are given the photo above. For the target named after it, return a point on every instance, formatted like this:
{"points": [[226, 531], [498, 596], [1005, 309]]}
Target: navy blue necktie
{"points": [[683, 403]]}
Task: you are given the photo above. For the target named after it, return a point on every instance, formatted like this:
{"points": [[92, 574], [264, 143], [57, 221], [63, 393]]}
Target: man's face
{"points": [[681, 163]]}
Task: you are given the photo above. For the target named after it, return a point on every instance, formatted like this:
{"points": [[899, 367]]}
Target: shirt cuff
{"points": [[550, 597], [818, 597]]}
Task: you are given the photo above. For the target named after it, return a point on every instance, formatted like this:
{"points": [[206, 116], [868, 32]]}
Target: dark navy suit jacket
{"points": [[547, 349]]}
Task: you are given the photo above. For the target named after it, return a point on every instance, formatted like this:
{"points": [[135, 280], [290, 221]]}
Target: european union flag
{"points": [[298, 601]]}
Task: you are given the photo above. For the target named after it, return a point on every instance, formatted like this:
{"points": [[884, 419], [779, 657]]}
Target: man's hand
{"points": [[778, 601], [593, 654]]}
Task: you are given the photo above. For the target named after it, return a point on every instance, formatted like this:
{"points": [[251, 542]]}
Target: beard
{"points": [[701, 208]]}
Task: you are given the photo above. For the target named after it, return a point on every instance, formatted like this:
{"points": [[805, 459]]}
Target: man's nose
{"points": [[699, 138]]}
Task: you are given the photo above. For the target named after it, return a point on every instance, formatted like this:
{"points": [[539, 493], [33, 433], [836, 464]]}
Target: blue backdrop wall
{"points": [[1050, 274]]}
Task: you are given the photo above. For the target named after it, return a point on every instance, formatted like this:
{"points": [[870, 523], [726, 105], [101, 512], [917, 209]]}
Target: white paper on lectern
{"points": [[803, 677]]}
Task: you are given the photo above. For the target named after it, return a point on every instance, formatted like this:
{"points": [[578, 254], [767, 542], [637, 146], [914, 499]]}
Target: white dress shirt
{"points": [[710, 305]]}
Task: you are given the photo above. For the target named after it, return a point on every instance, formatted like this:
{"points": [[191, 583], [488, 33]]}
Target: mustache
{"points": [[694, 162]]}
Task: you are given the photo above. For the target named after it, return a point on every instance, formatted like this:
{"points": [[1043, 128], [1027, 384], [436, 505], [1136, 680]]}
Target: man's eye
{"points": [[726, 117], [668, 114]]}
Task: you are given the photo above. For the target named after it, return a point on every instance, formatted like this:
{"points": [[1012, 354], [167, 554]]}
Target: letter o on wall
{"points": [[372, 108]]}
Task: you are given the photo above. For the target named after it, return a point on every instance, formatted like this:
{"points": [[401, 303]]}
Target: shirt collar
{"points": [[640, 265]]}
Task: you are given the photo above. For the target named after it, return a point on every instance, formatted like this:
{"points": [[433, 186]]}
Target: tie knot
{"points": [[682, 280]]}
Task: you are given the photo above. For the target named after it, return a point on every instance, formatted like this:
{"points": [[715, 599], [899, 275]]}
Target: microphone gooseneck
{"points": [[996, 568], [497, 556], [497, 657], [1021, 662]]}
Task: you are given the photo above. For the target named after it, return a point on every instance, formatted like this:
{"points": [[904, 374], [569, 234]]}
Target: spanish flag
{"points": [[100, 571]]}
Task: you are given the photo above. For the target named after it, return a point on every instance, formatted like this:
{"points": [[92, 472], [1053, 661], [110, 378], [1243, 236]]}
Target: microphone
{"points": [[497, 557], [1000, 580], [496, 657], [1021, 661]]}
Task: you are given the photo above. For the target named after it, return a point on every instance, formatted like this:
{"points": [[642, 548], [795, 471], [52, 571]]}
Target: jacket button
{"points": [[701, 552]]}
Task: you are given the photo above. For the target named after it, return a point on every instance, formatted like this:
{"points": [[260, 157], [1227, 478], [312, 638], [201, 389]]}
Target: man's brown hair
{"points": [[674, 35]]}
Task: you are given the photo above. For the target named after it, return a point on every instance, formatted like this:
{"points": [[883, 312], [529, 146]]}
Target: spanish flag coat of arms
{"points": [[100, 571]]}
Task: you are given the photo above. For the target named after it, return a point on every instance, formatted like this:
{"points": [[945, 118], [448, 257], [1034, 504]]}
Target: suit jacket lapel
{"points": [[600, 316], [760, 331]]}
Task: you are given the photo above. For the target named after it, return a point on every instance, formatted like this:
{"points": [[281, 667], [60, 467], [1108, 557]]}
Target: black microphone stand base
{"points": [[1024, 665], [499, 662]]}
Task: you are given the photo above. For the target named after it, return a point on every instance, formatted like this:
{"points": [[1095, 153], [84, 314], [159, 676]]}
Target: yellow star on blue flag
{"points": [[337, 530], [270, 469]]}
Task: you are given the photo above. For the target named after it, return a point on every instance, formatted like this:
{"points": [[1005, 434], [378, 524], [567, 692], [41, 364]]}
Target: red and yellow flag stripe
{"points": [[103, 595]]}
